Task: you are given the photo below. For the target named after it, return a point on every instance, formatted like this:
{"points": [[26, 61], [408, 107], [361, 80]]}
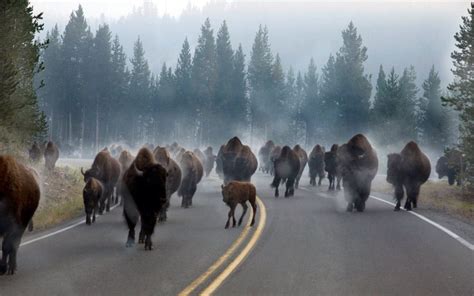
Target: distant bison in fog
{"points": [[235, 193], [200, 156], [359, 165], [192, 172], [91, 194], [316, 165], [19, 198], [333, 168], [210, 159], [273, 156], [303, 157], [264, 156], [35, 152], [451, 165], [408, 169], [144, 193], [238, 161], [51, 155], [286, 168]]}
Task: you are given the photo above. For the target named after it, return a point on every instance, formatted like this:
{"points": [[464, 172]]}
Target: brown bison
{"points": [[316, 165], [35, 152], [286, 168], [91, 194], [273, 156], [219, 169], [144, 193], [408, 169], [451, 165], [125, 159], [238, 161], [333, 168], [192, 172], [173, 180], [303, 157], [235, 193], [51, 155], [210, 159], [19, 198], [106, 169], [359, 165], [264, 156]]}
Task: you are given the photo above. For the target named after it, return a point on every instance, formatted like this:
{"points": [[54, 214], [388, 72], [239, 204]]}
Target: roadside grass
{"points": [[439, 196]]}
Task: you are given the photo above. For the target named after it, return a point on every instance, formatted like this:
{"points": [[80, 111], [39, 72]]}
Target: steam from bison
{"points": [[144, 193], [286, 168], [451, 165], [91, 194], [264, 156], [191, 171], [333, 168], [359, 164], [238, 161], [235, 193], [316, 165], [408, 169], [303, 157], [51, 155], [19, 198]]}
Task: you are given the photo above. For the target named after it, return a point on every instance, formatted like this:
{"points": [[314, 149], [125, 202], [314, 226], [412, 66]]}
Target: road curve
{"points": [[309, 246]]}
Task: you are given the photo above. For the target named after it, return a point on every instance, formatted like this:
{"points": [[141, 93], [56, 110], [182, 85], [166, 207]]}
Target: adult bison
{"points": [[303, 157], [51, 155], [238, 161], [191, 171], [210, 159], [332, 167], [35, 153], [316, 165], [359, 164], [450, 165], [106, 169], [286, 168], [125, 159], [144, 193], [273, 156], [264, 156], [19, 198], [408, 170], [173, 180]]}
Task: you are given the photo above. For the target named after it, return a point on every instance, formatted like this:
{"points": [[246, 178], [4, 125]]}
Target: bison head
{"points": [[93, 172]]}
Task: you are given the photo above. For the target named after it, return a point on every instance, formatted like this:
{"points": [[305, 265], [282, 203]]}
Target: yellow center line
{"points": [[241, 257]]}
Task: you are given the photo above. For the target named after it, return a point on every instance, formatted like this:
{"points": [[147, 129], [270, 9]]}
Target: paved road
{"points": [[309, 246]]}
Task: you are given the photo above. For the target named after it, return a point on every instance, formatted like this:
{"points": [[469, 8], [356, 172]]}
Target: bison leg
{"points": [[10, 245], [412, 195], [229, 215], [338, 187], [131, 219], [398, 196], [244, 206], [254, 208], [148, 227], [290, 189], [331, 182], [141, 236]]}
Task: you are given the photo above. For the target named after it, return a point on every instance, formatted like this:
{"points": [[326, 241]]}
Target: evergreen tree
{"points": [[186, 117], [312, 105], [407, 104], [120, 84], [279, 116], [330, 95], [238, 116], [166, 107]]}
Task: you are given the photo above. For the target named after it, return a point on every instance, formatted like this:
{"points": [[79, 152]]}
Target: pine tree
{"points": [[330, 94], [187, 116], [239, 95], [120, 85], [312, 104], [279, 117], [407, 104]]}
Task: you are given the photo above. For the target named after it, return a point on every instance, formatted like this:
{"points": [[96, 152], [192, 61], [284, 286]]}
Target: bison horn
{"points": [[82, 172], [137, 171]]}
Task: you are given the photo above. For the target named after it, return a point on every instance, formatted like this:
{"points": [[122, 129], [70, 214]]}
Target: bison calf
{"points": [[91, 194], [236, 192]]}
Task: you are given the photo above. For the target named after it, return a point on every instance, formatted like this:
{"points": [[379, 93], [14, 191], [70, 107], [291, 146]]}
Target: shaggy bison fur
{"points": [[316, 165], [303, 157], [238, 161], [91, 194], [286, 168], [192, 172]]}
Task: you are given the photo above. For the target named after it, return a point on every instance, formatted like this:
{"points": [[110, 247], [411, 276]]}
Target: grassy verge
{"points": [[439, 196]]}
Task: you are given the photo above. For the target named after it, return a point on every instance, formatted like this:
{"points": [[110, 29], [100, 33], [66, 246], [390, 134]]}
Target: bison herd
{"points": [[145, 183]]}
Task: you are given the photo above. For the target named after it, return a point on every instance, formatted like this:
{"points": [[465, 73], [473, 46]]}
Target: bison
{"points": [[286, 168], [144, 193], [451, 165], [200, 156], [235, 193], [35, 153], [91, 194], [51, 155], [332, 167], [173, 180], [106, 169], [359, 164], [210, 159], [264, 156], [316, 165], [273, 156], [303, 157], [19, 199], [238, 161], [408, 170], [192, 171], [219, 170]]}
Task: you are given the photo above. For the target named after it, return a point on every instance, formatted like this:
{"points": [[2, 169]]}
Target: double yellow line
{"points": [[217, 282]]}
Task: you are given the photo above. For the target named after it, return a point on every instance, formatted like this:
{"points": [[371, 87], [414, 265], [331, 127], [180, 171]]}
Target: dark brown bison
{"points": [[273, 156], [451, 165], [35, 153], [408, 169], [286, 169], [192, 172], [91, 194], [219, 169], [333, 168], [173, 180], [316, 165], [235, 193], [106, 169], [264, 156], [125, 159], [359, 164], [144, 193], [19, 198], [210, 159], [51, 155], [238, 161], [303, 157]]}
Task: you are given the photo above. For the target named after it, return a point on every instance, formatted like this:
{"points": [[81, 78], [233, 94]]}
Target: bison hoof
{"points": [[396, 209], [226, 226], [130, 243], [3, 269]]}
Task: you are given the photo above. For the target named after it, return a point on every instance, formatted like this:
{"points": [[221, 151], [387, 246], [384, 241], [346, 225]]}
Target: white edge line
{"points": [[59, 230], [442, 228]]}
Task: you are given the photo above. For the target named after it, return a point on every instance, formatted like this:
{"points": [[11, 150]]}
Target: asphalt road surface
{"points": [[309, 246]]}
